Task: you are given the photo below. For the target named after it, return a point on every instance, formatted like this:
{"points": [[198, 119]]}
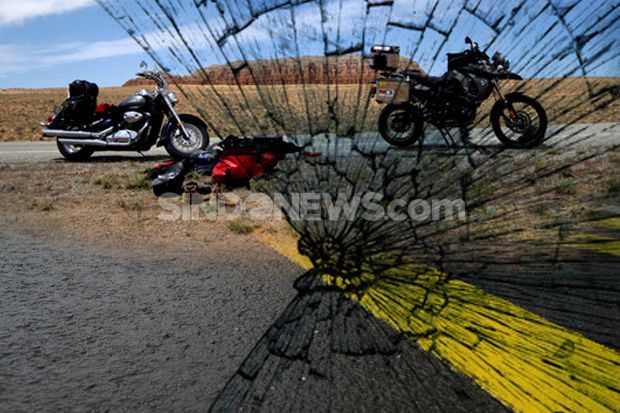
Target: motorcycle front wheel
{"points": [[522, 123], [180, 146], [400, 125]]}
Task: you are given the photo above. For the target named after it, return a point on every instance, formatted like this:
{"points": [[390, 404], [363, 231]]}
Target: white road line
{"points": [[12, 152]]}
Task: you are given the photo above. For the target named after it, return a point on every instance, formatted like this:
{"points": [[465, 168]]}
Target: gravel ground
{"points": [[89, 330]]}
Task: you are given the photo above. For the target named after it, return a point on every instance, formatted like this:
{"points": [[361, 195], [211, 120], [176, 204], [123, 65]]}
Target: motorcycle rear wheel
{"points": [[74, 153], [528, 126], [400, 125]]}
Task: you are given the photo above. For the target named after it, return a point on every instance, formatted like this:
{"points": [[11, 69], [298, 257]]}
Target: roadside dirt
{"points": [[111, 205]]}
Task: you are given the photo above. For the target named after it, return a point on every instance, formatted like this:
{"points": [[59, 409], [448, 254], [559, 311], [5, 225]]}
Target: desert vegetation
{"points": [[307, 108]]}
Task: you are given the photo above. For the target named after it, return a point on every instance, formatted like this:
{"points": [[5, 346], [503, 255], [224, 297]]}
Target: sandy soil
{"points": [[110, 204], [248, 110]]}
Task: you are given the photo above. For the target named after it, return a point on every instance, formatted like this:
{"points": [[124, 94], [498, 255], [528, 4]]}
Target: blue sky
{"points": [[49, 43]]}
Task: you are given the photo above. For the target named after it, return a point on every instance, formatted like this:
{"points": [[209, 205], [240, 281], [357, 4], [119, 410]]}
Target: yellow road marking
{"points": [[596, 242], [286, 246], [609, 223], [524, 360]]}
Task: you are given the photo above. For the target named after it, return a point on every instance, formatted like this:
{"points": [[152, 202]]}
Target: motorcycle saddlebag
{"points": [[79, 109], [75, 112], [393, 91], [275, 145], [268, 141]]}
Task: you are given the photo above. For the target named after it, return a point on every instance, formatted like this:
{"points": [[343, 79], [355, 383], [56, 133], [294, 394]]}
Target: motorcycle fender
{"points": [[171, 124]]}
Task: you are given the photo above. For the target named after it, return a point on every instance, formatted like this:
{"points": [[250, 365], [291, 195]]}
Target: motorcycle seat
{"points": [[425, 79]]}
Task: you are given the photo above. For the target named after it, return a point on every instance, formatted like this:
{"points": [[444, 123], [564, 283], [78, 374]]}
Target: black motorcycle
{"points": [[83, 127], [452, 100]]}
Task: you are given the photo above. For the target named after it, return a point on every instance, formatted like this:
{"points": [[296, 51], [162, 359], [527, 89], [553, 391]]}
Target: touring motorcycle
{"points": [[452, 100], [82, 127]]}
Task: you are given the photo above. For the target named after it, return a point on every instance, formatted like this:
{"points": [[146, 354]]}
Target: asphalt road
{"points": [[87, 330], [574, 137], [46, 151]]}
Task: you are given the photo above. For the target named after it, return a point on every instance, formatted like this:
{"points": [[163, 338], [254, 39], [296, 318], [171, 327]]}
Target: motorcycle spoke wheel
{"points": [[521, 125], [400, 126], [187, 144]]}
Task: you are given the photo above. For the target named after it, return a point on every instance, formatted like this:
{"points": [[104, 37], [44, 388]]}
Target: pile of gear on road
{"points": [[232, 162]]}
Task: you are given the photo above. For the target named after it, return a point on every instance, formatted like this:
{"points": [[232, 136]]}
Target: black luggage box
{"points": [[385, 58], [83, 89], [79, 111]]}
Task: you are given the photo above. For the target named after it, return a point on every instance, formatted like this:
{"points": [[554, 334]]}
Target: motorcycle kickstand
{"points": [[420, 148], [448, 139], [451, 143], [466, 142], [445, 134]]}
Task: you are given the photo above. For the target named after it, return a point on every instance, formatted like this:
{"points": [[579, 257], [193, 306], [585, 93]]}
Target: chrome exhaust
{"points": [[59, 133], [94, 142]]}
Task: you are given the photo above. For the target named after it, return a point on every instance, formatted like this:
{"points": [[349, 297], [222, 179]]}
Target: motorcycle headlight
{"points": [[172, 97]]}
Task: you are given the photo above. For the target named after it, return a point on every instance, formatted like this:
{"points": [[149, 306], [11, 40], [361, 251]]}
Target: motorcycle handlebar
{"points": [[155, 76]]}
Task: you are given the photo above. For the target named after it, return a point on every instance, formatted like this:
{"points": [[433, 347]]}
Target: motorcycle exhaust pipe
{"points": [[59, 133], [93, 142]]}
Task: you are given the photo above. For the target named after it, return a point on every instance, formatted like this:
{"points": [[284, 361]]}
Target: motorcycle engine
{"points": [[459, 99], [123, 136], [457, 108], [474, 87], [134, 125], [453, 107]]}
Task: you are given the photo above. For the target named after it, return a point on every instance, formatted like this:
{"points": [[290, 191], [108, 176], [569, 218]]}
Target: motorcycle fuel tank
{"points": [[133, 102]]}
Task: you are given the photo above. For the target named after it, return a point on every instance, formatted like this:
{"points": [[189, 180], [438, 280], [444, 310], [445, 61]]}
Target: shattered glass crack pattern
{"points": [[520, 297]]}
